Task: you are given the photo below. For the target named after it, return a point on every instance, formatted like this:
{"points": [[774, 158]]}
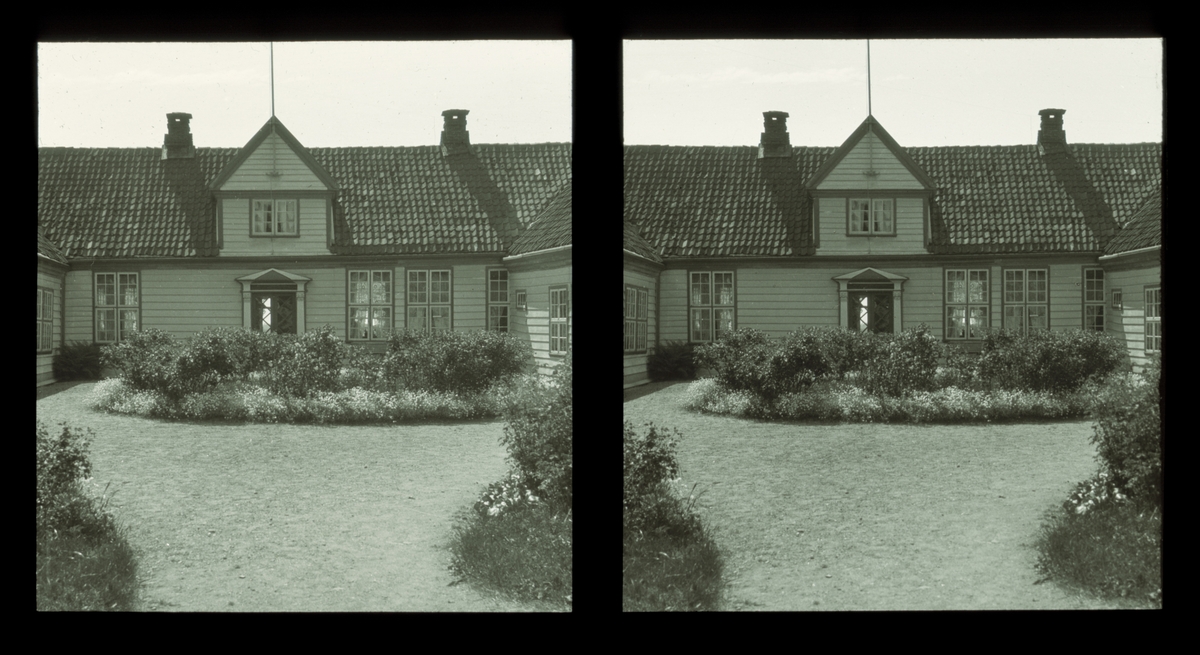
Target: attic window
{"points": [[273, 218]]}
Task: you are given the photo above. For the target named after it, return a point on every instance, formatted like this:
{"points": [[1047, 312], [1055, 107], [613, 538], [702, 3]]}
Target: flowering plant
{"points": [[505, 495]]}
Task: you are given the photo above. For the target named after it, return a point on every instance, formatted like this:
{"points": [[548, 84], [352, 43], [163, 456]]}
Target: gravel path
{"points": [[876, 517], [291, 518]]}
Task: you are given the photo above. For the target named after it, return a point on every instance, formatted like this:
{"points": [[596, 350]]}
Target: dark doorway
{"points": [[273, 312], [870, 311]]}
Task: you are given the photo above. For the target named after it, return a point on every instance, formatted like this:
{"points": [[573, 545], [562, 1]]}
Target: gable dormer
{"points": [[274, 198], [870, 197]]}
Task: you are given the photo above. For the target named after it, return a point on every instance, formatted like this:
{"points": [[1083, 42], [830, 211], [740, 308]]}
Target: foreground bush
{"points": [[453, 360], [669, 559], [77, 361], [1128, 434], [84, 561], [537, 434]]}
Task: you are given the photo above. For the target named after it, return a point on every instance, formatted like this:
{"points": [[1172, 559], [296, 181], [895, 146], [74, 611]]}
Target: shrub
{"points": [[739, 359], [672, 360], [537, 433], [797, 363], [147, 360], [903, 363], [649, 462], [447, 360], [62, 463], [308, 363], [1045, 360], [77, 361], [847, 351], [1128, 434]]}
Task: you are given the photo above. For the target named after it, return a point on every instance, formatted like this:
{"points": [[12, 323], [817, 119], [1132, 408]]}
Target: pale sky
{"points": [[328, 94], [924, 92]]}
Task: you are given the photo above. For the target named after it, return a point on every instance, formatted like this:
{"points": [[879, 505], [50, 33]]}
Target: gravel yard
{"points": [[231, 517], [876, 517]]}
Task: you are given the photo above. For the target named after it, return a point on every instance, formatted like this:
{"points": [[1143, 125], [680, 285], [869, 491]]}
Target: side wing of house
{"points": [[50, 277]]}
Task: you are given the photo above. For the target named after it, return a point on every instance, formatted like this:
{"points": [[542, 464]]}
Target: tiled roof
{"points": [[724, 201], [47, 249], [129, 202], [551, 228], [1144, 229], [634, 243]]}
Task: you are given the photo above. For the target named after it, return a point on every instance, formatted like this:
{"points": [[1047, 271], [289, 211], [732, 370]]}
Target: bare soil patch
{"points": [[232, 517], [877, 517]]}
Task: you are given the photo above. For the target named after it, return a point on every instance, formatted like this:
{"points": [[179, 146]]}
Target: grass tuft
{"points": [[524, 553]]}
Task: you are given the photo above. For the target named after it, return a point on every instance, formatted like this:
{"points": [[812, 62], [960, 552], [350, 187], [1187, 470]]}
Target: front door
{"points": [[273, 312], [871, 311]]}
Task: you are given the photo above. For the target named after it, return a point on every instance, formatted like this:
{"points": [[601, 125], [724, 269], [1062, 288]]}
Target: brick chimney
{"points": [[177, 143], [455, 137], [775, 142], [1051, 136]]}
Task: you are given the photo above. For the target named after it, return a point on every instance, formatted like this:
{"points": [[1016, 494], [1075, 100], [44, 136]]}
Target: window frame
{"points": [[560, 322], [117, 307], [870, 217], [697, 304], [1008, 302], [255, 233], [1097, 308], [637, 322], [966, 305], [494, 302], [1155, 320], [1116, 302], [428, 303], [373, 333], [45, 320], [521, 300]]}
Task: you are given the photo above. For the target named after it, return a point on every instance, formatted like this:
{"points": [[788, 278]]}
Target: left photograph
{"points": [[308, 308]]}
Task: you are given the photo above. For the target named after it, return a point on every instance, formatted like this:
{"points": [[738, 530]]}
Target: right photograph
{"points": [[893, 331]]}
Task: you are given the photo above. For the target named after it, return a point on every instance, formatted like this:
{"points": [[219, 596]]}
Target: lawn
{"points": [[876, 517], [231, 517]]}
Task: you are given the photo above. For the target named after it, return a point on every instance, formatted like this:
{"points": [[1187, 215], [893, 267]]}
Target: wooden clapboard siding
{"points": [[1129, 323], [52, 280], [184, 302], [635, 365], [312, 226], [469, 295], [77, 321], [324, 298], [908, 240], [273, 154], [536, 323], [1066, 296], [673, 303], [870, 154], [780, 300]]}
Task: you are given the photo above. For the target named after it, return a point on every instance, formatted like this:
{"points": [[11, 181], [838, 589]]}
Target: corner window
{"points": [[273, 218], [1153, 333], [370, 305], [636, 322], [872, 216], [711, 305], [1093, 299], [966, 303], [522, 303], [117, 306], [1117, 303], [1026, 300], [560, 312], [497, 300], [429, 300], [45, 317]]}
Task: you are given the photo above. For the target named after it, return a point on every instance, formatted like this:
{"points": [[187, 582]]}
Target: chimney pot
{"points": [[177, 142], [455, 137], [775, 141]]}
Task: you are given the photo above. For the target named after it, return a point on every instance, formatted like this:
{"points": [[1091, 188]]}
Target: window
{"points": [[273, 217], [1153, 332], [116, 306], [521, 303], [636, 323], [966, 303], [1117, 303], [559, 312], [429, 300], [370, 305], [1093, 299], [711, 305], [45, 317], [497, 301], [872, 216], [1026, 300]]}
